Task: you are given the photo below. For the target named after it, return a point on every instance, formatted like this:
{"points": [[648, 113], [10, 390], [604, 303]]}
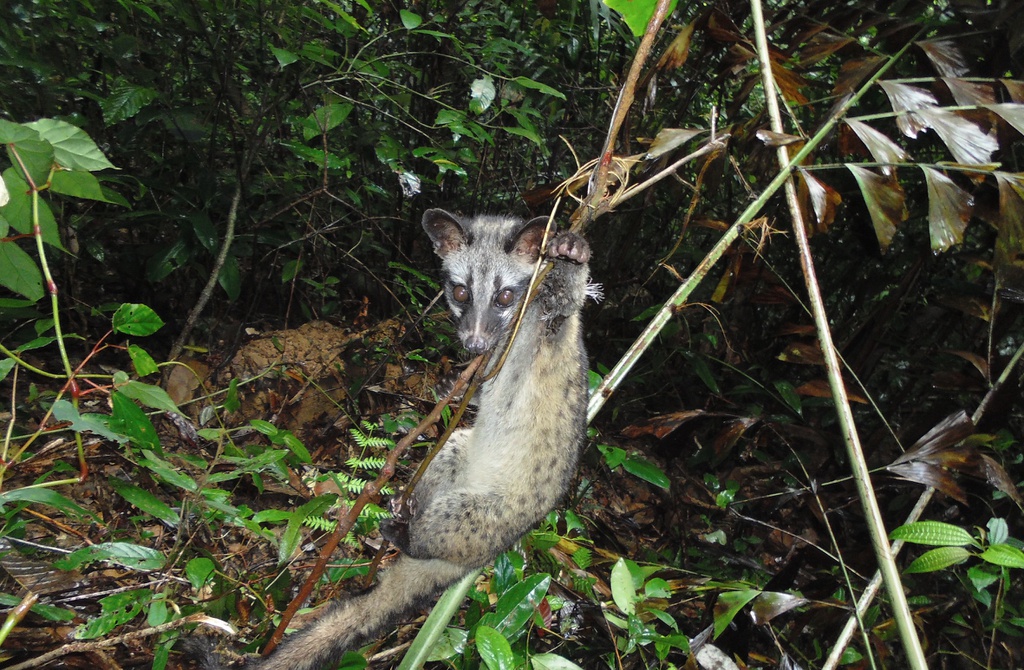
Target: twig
{"points": [[211, 282], [82, 647]]}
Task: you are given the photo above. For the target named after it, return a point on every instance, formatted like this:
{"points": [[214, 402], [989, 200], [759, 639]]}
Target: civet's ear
{"points": [[445, 231], [527, 241]]}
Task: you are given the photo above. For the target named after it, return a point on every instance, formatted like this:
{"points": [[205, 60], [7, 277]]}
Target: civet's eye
{"points": [[460, 293], [505, 297]]}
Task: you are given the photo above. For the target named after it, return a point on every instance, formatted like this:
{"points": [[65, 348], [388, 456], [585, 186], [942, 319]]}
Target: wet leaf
{"points": [[964, 139], [1012, 113], [772, 139], [824, 200], [938, 559], [771, 604], [1015, 88], [934, 534], [945, 56], [885, 200], [1000, 479], [905, 101], [37, 576], [494, 649], [623, 591], [949, 210], [1008, 260], [968, 93], [882, 149], [678, 51], [929, 474], [661, 425], [516, 606], [949, 432], [728, 605], [853, 73], [647, 471], [669, 139], [130, 555]]}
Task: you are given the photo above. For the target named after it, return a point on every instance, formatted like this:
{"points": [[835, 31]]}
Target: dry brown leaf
{"points": [[662, 425], [823, 199], [974, 359], [771, 604], [727, 438], [1008, 260], [821, 46], [950, 431], [803, 353], [1012, 113], [930, 475], [678, 51], [669, 139], [853, 73], [1015, 88], [968, 93], [964, 139]]}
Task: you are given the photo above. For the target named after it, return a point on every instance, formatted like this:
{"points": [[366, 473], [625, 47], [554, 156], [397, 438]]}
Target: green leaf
{"points": [[34, 157], [938, 559], [646, 471], [1003, 554], [934, 533], [283, 56], [481, 94], [85, 423], [127, 419], [516, 606], [12, 133], [149, 395], [136, 319], [199, 571], [43, 496], [790, 396], [167, 472], [47, 612], [127, 554], [141, 360], [637, 13], [494, 649], [78, 185], [18, 211], [19, 272], [72, 147], [552, 662], [729, 605], [125, 101], [410, 20], [623, 590], [144, 500], [526, 82], [613, 456], [230, 278]]}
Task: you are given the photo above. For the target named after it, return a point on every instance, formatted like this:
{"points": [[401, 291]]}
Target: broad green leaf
{"points": [[1004, 555], [34, 157], [78, 184], [283, 56], [516, 606], [47, 612], [293, 532], [613, 456], [72, 147], [43, 496], [12, 133], [18, 211], [938, 559], [144, 500], [494, 649], [326, 118], [647, 471], [19, 271], [125, 101], [729, 604], [85, 423], [127, 419], [199, 571], [637, 13], [6, 365], [623, 591], [410, 20], [150, 396], [127, 554], [552, 662], [135, 319], [167, 472], [790, 396], [230, 278], [998, 530], [933, 533], [141, 360]]}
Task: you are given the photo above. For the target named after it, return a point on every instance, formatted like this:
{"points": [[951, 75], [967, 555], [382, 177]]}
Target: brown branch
{"points": [[594, 205]]}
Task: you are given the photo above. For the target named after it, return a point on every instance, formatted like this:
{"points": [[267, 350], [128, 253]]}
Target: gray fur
{"points": [[493, 482]]}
